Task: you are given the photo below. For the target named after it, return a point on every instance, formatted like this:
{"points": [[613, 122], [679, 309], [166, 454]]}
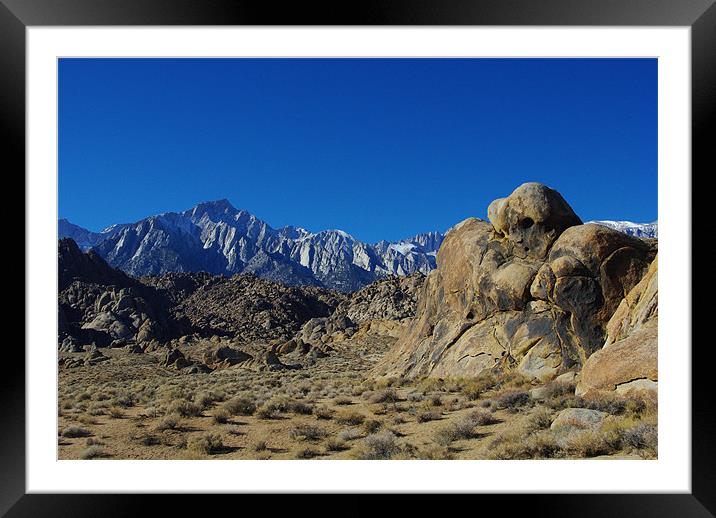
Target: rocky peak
{"points": [[73, 264], [222, 206]]}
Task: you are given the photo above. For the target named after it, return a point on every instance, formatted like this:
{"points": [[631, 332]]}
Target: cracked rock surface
{"points": [[628, 361], [531, 289]]}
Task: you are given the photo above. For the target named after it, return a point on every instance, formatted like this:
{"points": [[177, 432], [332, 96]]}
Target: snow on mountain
{"points": [[218, 238], [84, 238], [650, 230]]}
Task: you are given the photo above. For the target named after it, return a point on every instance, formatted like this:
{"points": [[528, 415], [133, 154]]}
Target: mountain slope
{"points": [[217, 238], [84, 238]]}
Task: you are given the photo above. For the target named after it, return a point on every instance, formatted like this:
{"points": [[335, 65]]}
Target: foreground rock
{"points": [[532, 290], [629, 360]]}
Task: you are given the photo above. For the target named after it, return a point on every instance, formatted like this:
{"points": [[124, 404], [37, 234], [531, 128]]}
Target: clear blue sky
{"points": [[380, 148]]}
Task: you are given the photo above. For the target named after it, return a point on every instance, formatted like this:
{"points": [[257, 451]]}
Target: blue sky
{"points": [[380, 148]]}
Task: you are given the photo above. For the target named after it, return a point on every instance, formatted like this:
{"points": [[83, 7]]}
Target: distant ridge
{"points": [[217, 238], [631, 228]]}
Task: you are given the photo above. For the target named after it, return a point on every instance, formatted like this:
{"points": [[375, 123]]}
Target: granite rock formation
{"points": [[532, 289], [628, 361]]}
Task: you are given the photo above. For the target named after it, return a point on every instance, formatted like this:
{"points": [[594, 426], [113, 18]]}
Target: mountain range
{"points": [[650, 230], [216, 237]]}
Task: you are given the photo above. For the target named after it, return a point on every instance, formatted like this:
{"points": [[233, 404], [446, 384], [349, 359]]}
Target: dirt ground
{"points": [[131, 408]]}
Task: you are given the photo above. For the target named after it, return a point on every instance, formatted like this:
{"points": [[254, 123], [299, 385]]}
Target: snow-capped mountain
{"points": [[218, 238], [633, 229], [84, 238]]}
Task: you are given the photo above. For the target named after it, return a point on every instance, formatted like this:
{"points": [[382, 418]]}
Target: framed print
{"points": [[408, 249]]}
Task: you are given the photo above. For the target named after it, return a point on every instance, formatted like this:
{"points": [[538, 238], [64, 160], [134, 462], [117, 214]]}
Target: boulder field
{"points": [[533, 290]]}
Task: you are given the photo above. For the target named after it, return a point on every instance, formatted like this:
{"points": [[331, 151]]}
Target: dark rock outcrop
{"points": [[248, 308], [100, 305], [390, 300], [103, 306]]}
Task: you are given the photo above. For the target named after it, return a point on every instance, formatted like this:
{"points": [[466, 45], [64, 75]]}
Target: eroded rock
{"points": [[531, 290], [628, 362]]}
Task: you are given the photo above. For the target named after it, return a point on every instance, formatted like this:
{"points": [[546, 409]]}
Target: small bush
{"points": [[379, 446], [555, 390], [307, 453], [473, 390], [350, 434], [610, 404], [384, 396], [642, 437], [372, 426], [445, 436], [415, 396], [124, 400], [430, 415], [334, 445], [169, 422], [587, 443], [342, 401], [93, 452], [240, 406], [149, 440], [465, 428], [75, 431], [461, 429], [483, 418], [434, 453], [115, 412], [204, 400], [350, 418], [323, 412], [541, 419], [398, 419], [86, 419], [298, 407], [540, 445], [260, 446], [184, 408], [511, 399], [268, 411], [304, 432], [221, 416], [207, 443]]}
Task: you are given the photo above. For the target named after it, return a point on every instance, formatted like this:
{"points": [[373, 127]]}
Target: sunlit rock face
{"points": [[531, 290], [530, 219], [628, 362]]}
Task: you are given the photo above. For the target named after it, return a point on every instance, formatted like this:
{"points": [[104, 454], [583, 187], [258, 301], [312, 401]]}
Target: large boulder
{"points": [[531, 290], [531, 218], [628, 362]]}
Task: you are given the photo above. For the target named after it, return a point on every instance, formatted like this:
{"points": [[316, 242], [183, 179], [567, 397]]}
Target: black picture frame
{"points": [[700, 15]]}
